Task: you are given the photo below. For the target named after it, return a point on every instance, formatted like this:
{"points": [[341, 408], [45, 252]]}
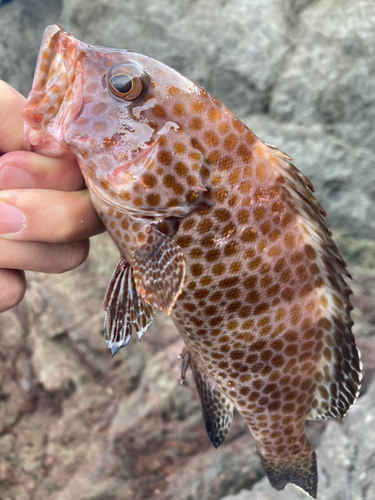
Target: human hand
{"points": [[46, 216]]}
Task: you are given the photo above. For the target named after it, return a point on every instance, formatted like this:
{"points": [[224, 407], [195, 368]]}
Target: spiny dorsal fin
{"points": [[217, 409], [124, 309], [338, 379], [159, 270]]}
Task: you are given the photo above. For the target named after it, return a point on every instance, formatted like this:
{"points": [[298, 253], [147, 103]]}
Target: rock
{"points": [[358, 254], [22, 27], [367, 350], [65, 373], [217, 472], [327, 77], [361, 430]]}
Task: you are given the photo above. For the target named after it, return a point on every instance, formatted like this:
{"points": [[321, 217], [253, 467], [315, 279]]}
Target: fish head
{"points": [[122, 115]]}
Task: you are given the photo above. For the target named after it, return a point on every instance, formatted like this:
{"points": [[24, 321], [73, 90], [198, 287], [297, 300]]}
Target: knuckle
{"points": [[74, 255], [13, 288], [67, 228], [71, 214]]}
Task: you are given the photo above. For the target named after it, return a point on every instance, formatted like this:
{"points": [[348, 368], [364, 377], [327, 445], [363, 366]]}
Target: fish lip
{"points": [[57, 45], [54, 35], [57, 71], [49, 41]]}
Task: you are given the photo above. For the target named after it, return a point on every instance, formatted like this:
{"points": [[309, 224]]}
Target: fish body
{"points": [[217, 229]]}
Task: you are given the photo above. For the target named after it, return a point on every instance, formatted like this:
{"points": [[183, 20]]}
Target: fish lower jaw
{"points": [[44, 144]]}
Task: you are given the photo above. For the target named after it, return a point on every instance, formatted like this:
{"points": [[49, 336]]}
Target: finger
{"points": [[12, 290], [53, 258], [24, 169], [48, 216], [11, 121]]}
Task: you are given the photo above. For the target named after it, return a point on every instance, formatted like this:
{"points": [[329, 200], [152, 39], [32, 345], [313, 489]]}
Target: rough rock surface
{"points": [[76, 424]]}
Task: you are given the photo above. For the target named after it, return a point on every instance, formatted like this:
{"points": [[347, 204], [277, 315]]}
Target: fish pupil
{"points": [[122, 83]]}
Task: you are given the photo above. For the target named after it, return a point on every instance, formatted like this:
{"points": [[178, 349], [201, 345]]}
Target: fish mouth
{"points": [[56, 95]]}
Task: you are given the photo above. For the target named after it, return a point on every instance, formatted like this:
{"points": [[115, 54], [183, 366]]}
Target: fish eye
{"points": [[126, 81]]}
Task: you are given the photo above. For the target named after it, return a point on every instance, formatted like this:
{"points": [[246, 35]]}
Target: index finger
{"points": [[11, 121]]}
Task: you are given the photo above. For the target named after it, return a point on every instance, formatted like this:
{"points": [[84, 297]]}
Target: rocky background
{"points": [[76, 424]]}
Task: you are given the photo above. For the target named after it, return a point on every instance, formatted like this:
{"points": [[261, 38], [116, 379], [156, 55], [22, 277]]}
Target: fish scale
{"points": [[215, 228]]}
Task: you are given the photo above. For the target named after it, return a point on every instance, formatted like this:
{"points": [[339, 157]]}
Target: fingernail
{"points": [[12, 177], [12, 220]]}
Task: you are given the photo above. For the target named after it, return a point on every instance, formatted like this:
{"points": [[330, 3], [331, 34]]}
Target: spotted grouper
{"points": [[215, 228]]}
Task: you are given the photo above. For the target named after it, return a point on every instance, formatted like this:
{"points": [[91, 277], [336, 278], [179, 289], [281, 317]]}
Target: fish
{"points": [[215, 228]]}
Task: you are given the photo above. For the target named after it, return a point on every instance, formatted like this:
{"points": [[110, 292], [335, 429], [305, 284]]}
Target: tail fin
{"points": [[302, 473]]}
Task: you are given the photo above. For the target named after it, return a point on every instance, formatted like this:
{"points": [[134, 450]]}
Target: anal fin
{"points": [[301, 472], [217, 409], [124, 309], [159, 270]]}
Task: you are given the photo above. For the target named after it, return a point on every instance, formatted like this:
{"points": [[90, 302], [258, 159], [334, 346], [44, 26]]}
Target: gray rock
{"points": [[212, 474], [329, 77], [360, 428], [22, 24]]}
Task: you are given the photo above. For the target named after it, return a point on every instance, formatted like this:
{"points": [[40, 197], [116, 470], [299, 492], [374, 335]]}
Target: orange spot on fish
{"points": [[261, 171], [54, 89], [108, 143], [196, 124], [223, 127], [158, 111], [213, 115], [324, 301], [197, 106], [178, 109], [237, 125], [272, 159]]}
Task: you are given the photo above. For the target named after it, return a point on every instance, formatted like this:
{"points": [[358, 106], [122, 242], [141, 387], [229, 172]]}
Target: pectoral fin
{"points": [[217, 409], [124, 308], [159, 270]]}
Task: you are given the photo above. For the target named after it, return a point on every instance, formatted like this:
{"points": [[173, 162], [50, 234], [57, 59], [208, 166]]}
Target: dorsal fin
{"points": [[217, 409], [124, 309], [339, 376]]}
